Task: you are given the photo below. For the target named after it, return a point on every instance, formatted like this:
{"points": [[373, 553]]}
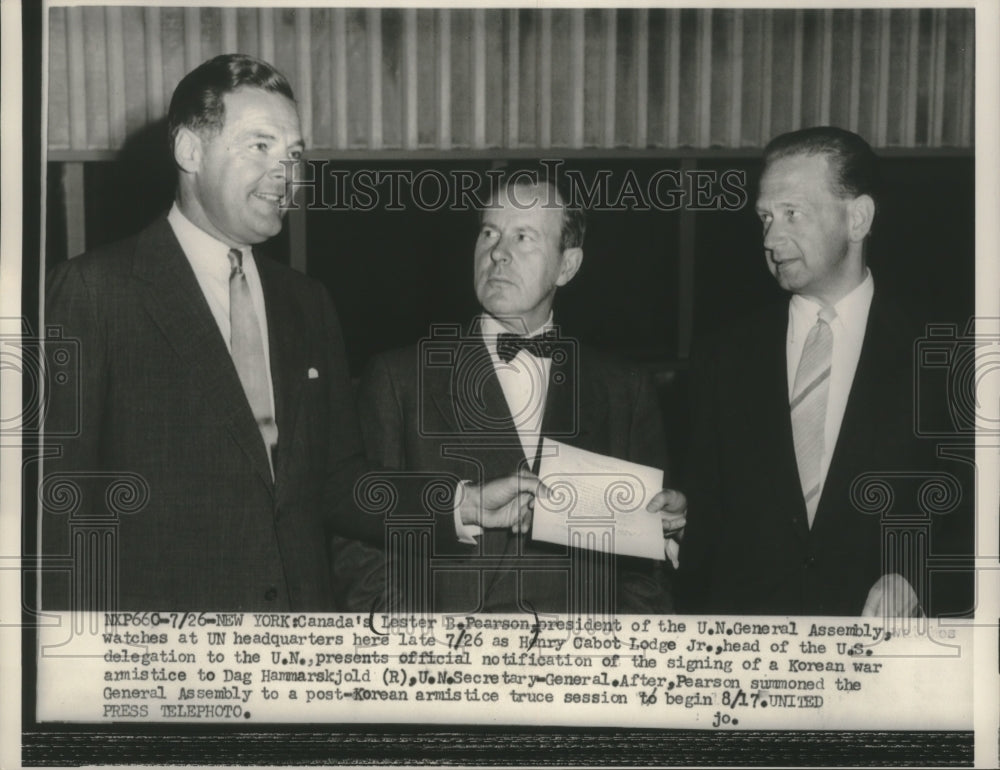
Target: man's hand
{"points": [[891, 597], [503, 502], [672, 507]]}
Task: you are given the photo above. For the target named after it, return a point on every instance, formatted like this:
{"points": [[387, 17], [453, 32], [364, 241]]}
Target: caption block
{"points": [[764, 673]]}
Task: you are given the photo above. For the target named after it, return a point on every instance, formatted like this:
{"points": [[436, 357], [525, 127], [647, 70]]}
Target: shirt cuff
{"points": [[466, 533], [673, 550]]}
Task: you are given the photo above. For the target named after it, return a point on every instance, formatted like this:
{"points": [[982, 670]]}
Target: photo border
{"points": [[47, 745]]}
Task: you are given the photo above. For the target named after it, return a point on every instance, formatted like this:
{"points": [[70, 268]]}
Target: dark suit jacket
{"points": [[161, 406], [439, 407], [747, 546]]}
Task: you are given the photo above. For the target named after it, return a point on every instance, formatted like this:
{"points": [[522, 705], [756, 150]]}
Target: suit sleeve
{"points": [[647, 442], [357, 538], [381, 416], [645, 586], [383, 421], [360, 481], [346, 462], [73, 423]]}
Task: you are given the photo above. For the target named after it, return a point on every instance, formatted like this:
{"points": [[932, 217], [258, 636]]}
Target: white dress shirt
{"points": [[209, 258], [848, 335], [525, 382]]}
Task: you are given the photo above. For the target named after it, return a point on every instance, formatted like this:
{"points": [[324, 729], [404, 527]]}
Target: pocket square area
{"points": [[313, 374]]}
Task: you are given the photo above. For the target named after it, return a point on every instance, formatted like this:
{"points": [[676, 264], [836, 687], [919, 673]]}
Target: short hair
{"points": [[853, 163], [574, 219], [197, 102]]}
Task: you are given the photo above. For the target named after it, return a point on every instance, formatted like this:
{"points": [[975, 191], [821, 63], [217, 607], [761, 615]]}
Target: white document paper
{"points": [[597, 502]]}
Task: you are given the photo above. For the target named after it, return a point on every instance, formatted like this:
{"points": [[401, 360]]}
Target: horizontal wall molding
{"points": [[593, 80], [430, 156]]}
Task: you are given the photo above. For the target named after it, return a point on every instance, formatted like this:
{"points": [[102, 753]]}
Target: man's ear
{"points": [[860, 215], [571, 261], [187, 150]]}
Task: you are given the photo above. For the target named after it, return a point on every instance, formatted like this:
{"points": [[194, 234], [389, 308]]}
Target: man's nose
{"points": [[283, 170], [773, 235], [500, 252]]}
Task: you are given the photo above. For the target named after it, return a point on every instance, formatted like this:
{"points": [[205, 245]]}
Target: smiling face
{"points": [[812, 236], [233, 183], [519, 263]]}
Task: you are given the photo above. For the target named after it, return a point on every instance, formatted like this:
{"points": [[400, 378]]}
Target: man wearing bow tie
{"points": [[476, 402]]}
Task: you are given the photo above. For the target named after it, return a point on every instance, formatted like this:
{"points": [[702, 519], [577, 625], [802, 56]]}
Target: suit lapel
{"points": [[174, 300], [779, 451], [559, 417], [470, 400], [575, 405], [286, 349], [472, 403], [857, 429]]}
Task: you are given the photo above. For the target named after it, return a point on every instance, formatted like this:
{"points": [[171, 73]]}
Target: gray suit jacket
{"points": [[196, 522], [438, 407], [748, 548]]}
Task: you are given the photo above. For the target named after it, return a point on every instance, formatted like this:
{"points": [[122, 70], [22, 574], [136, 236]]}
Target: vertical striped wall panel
{"points": [[370, 79]]}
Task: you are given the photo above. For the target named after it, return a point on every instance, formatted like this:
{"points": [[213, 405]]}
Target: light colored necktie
{"points": [[248, 353], [808, 406]]}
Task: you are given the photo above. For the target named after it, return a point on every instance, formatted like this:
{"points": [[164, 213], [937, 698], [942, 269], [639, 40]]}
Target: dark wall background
{"points": [[393, 273]]}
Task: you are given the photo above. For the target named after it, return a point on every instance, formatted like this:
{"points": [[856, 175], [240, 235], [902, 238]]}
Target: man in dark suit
{"points": [[218, 444], [794, 407], [476, 402]]}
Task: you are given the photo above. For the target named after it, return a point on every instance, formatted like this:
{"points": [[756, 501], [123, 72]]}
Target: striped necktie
{"points": [[808, 407], [248, 353]]}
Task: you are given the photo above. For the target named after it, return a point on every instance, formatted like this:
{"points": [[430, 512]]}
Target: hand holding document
{"points": [[597, 502]]}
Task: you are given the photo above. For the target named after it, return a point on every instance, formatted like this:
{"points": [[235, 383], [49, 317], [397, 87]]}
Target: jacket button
{"points": [[271, 594], [809, 562]]}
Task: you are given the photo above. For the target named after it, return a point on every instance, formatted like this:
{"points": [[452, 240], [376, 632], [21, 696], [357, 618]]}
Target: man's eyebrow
{"points": [[259, 134], [256, 133], [782, 202]]}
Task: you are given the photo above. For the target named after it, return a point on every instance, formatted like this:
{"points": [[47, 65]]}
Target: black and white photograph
{"points": [[501, 385]]}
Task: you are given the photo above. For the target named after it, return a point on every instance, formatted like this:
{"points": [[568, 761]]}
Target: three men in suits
{"points": [[793, 407], [477, 401], [218, 443]]}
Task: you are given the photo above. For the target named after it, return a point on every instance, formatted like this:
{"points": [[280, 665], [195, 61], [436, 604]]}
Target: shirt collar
{"points": [[852, 310], [206, 253], [490, 328]]}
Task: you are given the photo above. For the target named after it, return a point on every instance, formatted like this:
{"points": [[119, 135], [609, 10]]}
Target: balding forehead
{"points": [[528, 200], [823, 169], [527, 194]]}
